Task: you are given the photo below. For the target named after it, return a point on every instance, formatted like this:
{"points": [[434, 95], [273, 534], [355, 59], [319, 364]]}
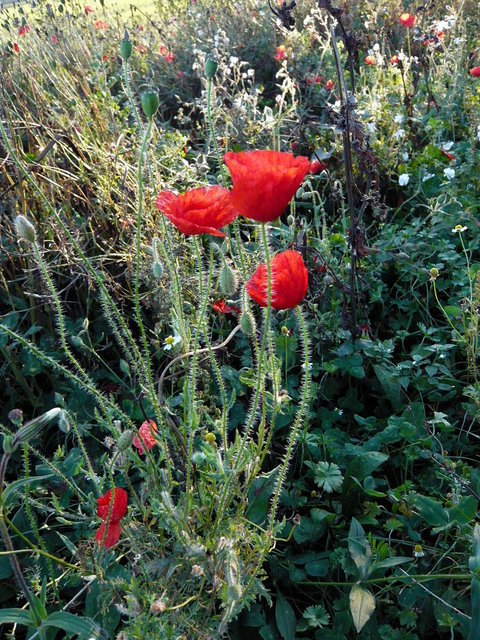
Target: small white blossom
{"points": [[376, 47], [449, 173], [233, 60], [250, 73], [403, 179], [371, 127], [446, 146], [398, 118], [427, 176], [399, 134], [405, 156], [171, 341], [459, 229]]}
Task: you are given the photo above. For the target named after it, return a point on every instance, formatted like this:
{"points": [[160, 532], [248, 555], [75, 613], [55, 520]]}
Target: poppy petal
{"points": [[197, 211], [119, 508], [264, 182], [289, 281], [112, 536]]}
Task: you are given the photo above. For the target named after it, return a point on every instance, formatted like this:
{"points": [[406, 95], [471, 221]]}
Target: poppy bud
{"points": [[8, 445], [211, 67], [228, 281], [150, 103], [210, 438], [290, 220], [126, 46], [157, 270], [247, 324], [125, 440], [25, 229]]}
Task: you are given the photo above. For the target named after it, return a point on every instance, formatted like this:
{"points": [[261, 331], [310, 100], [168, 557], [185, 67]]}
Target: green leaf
{"points": [[359, 548], [316, 616], [453, 311], [71, 623], [432, 511], [16, 616], [362, 605], [390, 384], [259, 495], [22, 482], [390, 562], [463, 512], [285, 618], [360, 467], [328, 476]]}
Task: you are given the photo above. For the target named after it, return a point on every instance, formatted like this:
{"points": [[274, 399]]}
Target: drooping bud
{"points": [[157, 267], [125, 440], [150, 103], [126, 45], [25, 229], [228, 281], [247, 324], [211, 67]]}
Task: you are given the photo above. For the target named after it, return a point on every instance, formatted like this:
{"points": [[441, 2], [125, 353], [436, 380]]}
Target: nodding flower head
{"points": [[289, 281]]}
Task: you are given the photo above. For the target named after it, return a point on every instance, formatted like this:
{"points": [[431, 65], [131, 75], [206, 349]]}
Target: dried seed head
{"points": [[25, 229]]}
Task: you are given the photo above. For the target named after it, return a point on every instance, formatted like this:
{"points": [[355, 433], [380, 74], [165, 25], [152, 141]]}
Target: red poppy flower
{"points": [[316, 166], [142, 48], [119, 507], [289, 281], [318, 79], [395, 59], [112, 536], [16, 47], [169, 57], [197, 211], [220, 307], [407, 19], [475, 72], [88, 8], [147, 431], [309, 81], [100, 24], [264, 182], [23, 30], [281, 53], [370, 60], [329, 85]]}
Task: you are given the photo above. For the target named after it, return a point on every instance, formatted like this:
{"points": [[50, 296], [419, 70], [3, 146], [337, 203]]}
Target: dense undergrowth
{"points": [[311, 472]]}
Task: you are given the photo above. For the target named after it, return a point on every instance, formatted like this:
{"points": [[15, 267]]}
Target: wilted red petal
{"points": [[475, 72], [119, 508], [264, 182], [197, 211], [147, 431], [289, 281], [114, 532]]}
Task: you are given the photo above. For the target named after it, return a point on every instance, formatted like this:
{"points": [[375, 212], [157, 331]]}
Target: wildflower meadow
{"points": [[239, 320]]}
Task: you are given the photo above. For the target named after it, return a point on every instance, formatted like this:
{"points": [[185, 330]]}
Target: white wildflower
{"points": [[449, 173], [403, 179]]}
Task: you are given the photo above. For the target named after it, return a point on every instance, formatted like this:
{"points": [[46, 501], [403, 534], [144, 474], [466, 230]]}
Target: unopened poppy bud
{"points": [[228, 281], [25, 229], [125, 440], [157, 270], [211, 67], [290, 220], [247, 324], [150, 103], [126, 46]]}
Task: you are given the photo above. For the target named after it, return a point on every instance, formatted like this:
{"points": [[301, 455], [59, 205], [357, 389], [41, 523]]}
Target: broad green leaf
{"points": [[259, 496], [453, 311], [71, 623], [362, 605], [359, 548], [463, 512], [390, 562], [285, 618], [432, 511], [16, 616], [360, 467], [390, 384]]}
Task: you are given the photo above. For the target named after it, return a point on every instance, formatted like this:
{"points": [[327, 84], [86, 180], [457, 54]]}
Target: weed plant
{"points": [[193, 445]]}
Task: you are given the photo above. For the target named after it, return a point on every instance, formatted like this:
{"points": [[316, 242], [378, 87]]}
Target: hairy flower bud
{"points": [[247, 324], [25, 229], [125, 440], [228, 281], [126, 46]]}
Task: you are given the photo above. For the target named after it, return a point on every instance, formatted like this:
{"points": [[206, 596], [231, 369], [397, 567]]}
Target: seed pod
{"points": [[211, 67], [126, 47], [150, 103]]}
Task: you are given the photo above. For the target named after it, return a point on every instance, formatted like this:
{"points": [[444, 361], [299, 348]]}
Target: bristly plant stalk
{"points": [[347, 156]]}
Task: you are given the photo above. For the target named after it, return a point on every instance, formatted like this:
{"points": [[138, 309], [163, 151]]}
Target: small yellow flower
{"points": [[459, 229], [418, 551]]}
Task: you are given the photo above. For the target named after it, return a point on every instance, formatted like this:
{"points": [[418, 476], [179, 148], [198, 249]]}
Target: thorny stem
{"points": [[137, 295], [347, 156]]}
